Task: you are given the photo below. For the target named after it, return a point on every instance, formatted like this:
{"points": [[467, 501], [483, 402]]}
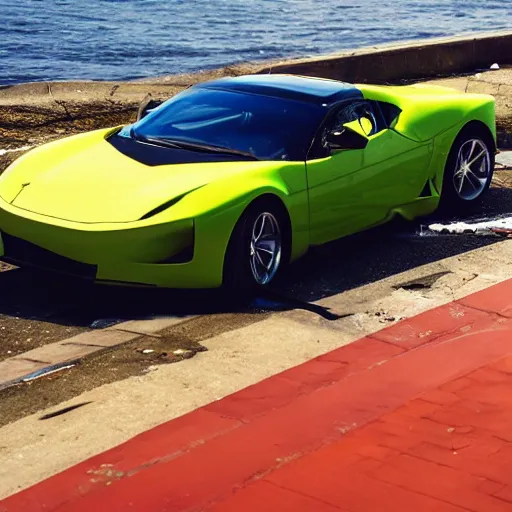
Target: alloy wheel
{"points": [[472, 170], [266, 247]]}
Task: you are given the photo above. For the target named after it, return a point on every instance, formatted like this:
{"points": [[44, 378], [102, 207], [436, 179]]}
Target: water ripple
{"points": [[122, 39]]}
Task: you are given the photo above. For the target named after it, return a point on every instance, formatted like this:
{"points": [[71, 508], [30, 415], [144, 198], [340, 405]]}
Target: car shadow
{"points": [[362, 259], [388, 250], [327, 270]]}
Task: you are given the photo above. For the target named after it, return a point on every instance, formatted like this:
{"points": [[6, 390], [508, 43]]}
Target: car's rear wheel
{"points": [[469, 168], [257, 249]]}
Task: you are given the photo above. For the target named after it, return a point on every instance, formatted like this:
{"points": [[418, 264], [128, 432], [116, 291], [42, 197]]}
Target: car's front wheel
{"points": [[257, 249], [469, 168]]}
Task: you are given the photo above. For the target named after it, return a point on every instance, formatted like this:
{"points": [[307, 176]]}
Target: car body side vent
{"points": [[168, 204], [162, 207], [426, 192]]}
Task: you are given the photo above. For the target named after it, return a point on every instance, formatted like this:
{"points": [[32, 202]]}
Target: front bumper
{"points": [[133, 253], [20, 252]]}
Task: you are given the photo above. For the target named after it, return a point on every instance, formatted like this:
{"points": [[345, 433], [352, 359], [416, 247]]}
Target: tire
{"points": [[464, 185], [248, 267]]}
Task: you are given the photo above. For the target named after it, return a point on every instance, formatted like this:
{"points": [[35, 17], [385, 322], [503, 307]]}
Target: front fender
{"points": [[216, 208]]}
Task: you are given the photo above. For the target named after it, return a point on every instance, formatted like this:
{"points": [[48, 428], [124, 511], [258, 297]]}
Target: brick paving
{"points": [[450, 449], [417, 417]]}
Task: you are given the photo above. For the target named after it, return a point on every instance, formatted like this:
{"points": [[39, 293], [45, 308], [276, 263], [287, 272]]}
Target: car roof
{"points": [[313, 90]]}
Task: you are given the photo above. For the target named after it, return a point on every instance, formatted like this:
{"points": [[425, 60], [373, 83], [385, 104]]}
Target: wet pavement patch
{"points": [[142, 355]]}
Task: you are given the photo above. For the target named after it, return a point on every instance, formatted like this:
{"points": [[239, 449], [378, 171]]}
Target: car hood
{"points": [[91, 182]]}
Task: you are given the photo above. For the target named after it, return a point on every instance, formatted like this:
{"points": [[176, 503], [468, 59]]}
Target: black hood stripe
{"points": [[153, 155]]}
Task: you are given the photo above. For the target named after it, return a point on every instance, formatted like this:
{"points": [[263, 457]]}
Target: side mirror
{"points": [[351, 136], [146, 106]]}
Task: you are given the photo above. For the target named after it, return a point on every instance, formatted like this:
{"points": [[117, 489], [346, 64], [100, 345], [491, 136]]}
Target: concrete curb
{"points": [[48, 358]]}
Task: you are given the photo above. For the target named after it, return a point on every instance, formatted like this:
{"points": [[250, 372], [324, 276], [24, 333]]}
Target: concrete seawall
{"points": [[37, 112], [405, 61]]}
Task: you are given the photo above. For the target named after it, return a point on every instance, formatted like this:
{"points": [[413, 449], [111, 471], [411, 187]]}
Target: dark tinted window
{"points": [[268, 127], [389, 112]]}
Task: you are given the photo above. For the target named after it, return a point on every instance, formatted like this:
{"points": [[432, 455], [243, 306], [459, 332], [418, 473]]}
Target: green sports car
{"points": [[228, 181]]}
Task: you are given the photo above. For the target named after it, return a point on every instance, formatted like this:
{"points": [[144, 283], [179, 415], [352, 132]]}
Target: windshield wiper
{"points": [[195, 146]]}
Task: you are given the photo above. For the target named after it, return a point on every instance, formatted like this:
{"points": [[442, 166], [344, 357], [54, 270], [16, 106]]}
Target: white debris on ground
{"points": [[486, 227], [504, 158], [22, 148], [181, 352], [490, 226], [495, 66]]}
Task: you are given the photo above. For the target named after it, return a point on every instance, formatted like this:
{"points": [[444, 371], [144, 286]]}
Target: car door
{"points": [[353, 189]]}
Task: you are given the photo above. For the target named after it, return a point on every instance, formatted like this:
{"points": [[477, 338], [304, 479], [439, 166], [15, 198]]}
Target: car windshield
{"points": [[266, 127]]}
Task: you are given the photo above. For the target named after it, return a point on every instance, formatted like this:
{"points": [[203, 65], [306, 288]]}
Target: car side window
{"points": [[368, 113], [389, 112], [372, 119]]}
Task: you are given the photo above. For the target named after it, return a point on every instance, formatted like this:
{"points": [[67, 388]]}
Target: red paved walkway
{"points": [[417, 417]]}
